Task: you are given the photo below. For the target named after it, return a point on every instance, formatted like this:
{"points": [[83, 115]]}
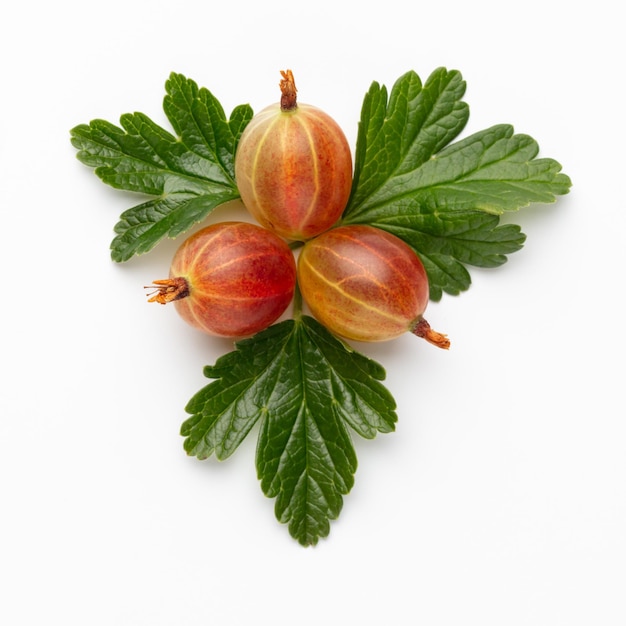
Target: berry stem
{"points": [[422, 329], [288, 100], [168, 290]]}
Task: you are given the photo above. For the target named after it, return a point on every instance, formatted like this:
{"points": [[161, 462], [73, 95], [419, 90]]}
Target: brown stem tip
{"points": [[168, 290], [288, 91], [422, 329]]}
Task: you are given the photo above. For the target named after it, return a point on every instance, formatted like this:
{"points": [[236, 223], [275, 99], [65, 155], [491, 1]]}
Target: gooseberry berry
{"points": [[366, 284], [231, 279], [293, 167]]}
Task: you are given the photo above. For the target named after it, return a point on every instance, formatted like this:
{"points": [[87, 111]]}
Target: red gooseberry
{"points": [[366, 284], [231, 279], [293, 167]]}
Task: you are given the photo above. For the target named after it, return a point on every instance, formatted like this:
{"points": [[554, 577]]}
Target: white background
{"points": [[501, 497]]}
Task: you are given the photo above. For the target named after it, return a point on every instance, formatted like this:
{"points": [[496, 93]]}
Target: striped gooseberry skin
{"points": [[363, 283], [294, 170], [231, 279]]}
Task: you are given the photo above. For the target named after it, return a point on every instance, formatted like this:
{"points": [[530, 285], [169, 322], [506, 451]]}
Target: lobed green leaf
{"points": [[305, 387], [443, 199], [187, 174]]}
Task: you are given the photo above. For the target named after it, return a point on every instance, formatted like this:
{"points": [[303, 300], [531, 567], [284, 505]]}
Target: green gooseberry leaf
{"points": [[185, 175], [307, 390], [444, 198]]}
